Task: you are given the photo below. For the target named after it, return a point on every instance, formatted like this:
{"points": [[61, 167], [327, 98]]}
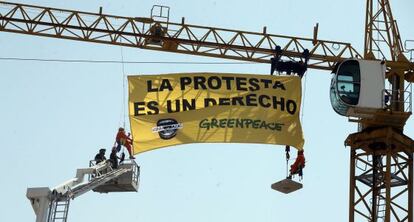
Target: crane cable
{"points": [[303, 109], [303, 99], [123, 85], [287, 147], [123, 62]]}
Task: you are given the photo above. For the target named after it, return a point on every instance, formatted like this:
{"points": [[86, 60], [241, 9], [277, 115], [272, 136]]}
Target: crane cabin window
{"points": [[340, 107], [348, 81]]}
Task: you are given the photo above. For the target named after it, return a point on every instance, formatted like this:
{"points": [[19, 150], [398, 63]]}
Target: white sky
{"points": [[55, 116]]}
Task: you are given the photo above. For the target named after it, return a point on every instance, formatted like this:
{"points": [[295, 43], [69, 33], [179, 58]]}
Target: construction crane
{"points": [[51, 205], [383, 188]]}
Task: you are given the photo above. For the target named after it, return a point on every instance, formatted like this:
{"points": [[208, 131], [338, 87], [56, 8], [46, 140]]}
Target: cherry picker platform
{"points": [[51, 205]]}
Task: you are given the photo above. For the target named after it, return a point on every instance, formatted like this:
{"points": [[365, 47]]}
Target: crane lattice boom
{"points": [[171, 37]]}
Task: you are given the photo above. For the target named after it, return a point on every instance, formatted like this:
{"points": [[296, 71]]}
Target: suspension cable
{"points": [[124, 62]]}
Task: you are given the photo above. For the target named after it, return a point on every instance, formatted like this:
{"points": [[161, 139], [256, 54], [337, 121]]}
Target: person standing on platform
{"points": [[114, 158], [100, 156]]}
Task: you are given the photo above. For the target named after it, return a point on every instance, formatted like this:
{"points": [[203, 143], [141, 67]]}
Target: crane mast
{"points": [[381, 32], [381, 160], [382, 189]]}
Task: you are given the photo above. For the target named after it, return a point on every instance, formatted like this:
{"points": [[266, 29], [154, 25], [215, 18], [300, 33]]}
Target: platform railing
{"points": [[135, 169]]}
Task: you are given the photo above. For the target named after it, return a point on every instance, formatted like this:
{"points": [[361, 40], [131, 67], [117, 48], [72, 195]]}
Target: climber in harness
{"points": [[289, 67], [124, 140], [298, 165]]}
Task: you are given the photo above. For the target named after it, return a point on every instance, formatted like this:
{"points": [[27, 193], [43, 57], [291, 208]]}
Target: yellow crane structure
{"points": [[382, 189]]}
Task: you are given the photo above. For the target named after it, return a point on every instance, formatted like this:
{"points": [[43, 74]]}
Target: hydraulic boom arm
{"points": [[52, 205]]}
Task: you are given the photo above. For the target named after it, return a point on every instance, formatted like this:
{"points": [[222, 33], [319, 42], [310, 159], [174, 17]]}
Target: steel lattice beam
{"points": [[176, 37]]}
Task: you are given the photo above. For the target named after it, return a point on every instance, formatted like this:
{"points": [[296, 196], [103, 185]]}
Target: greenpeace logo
{"points": [[167, 128]]}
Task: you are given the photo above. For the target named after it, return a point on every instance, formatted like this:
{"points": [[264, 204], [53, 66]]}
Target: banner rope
{"points": [[303, 100]]}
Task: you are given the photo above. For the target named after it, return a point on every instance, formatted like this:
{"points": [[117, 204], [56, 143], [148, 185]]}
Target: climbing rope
{"points": [[287, 151], [123, 87], [122, 117]]}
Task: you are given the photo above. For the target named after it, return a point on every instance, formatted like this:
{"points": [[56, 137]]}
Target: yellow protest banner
{"points": [[172, 109]]}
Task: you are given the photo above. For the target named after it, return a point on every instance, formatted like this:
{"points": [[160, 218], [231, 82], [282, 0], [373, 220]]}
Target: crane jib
{"points": [[180, 38]]}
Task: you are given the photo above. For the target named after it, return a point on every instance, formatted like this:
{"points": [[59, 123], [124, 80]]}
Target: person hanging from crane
{"points": [[298, 165], [124, 140]]}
